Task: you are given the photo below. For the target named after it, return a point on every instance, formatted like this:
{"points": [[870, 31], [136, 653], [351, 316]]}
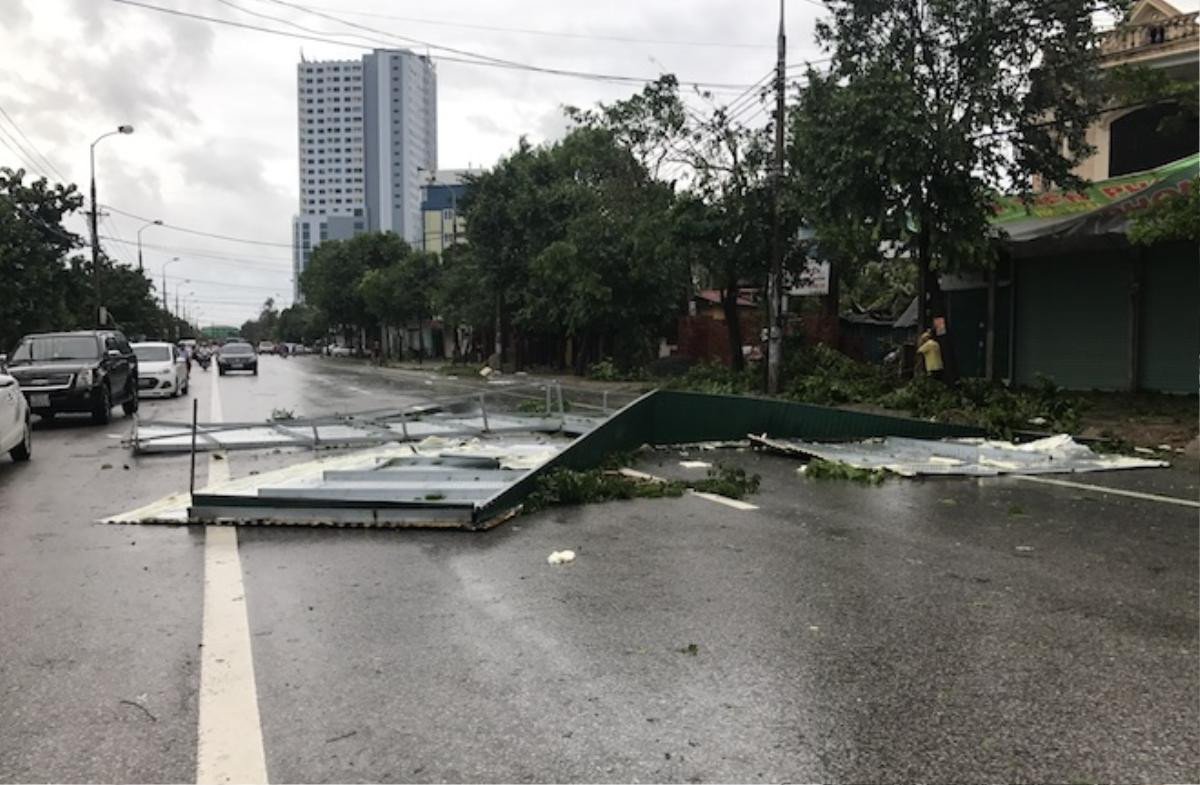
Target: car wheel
{"points": [[130, 406], [220, 370], [254, 370], [103, 411], [186, 384], [23, 451]]}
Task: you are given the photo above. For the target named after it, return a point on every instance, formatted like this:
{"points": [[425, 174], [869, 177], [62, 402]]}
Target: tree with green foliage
{"points": [[301, 323], [720, 221], [403, 292], [264, 327], [458, 300], [570, 247], [330, 281], [1174, 219], [930, 107], [44, 288], [34, 275]]}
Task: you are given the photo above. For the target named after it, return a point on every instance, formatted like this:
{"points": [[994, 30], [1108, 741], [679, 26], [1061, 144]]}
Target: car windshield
{"points": [[237, 348], [153, 354], [66, 347]]}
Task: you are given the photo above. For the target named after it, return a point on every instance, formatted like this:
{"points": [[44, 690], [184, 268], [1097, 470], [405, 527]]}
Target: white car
{"points": [[16, 421], [161, 369]]}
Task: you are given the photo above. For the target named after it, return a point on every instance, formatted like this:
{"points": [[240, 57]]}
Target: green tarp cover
{"points": [[1101, 210]]}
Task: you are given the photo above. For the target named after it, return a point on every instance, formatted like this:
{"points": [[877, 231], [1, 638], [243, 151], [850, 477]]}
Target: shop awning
{"points": [[1094, 217]]}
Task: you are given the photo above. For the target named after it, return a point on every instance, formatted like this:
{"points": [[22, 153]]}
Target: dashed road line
{"points": [[1153, 497], [229, 737], [736, 504], [711, 497]]}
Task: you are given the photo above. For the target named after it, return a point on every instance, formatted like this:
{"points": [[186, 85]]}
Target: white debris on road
{"points": [[561, 557], [971, 457]]}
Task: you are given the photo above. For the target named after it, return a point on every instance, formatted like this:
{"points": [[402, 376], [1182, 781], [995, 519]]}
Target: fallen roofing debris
{"points": [[437, 482], [456, 464], [361, 429], [971, 457]]}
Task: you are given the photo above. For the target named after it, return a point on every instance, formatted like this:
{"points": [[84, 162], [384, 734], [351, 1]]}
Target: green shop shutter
{"points": [[1072, 321], [1170, 339]]}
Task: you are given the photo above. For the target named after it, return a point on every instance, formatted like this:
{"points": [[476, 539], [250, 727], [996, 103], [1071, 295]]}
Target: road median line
{"points": [[1083, 486], [229, 746]]}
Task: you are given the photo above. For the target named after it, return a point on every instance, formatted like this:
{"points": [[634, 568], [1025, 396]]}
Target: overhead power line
{"points": [[198, 232], [476, 60], [546, 33], [260, 261], [49, 164], [750, 92]]}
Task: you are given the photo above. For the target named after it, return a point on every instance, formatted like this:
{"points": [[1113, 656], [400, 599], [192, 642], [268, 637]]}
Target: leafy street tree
{"points": [[928, 108], [721, 220], [403, 292], [263, 328], [458, 300], [301, 323], [33, 249], [570, 244], [43, 288], [330, 281]]}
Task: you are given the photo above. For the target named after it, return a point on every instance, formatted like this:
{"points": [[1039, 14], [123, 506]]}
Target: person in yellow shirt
{"points": [[931, 352]]}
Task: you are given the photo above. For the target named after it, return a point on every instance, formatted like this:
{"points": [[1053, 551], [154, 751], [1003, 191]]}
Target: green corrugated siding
{"points": [[1170, 342], [672, 417], [1072, 321]]}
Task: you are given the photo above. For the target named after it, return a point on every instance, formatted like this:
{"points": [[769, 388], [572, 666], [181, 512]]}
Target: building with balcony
{"points": [[1133, 139]]}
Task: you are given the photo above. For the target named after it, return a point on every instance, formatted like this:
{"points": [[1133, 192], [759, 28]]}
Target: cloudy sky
{"points": [[214, 109], [213, 106]]}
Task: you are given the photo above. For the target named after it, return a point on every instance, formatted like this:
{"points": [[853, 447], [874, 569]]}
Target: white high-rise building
{"points": [[367, 133]]}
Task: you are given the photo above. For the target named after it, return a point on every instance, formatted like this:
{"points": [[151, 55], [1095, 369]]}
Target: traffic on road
{"points": [[687, 640]]}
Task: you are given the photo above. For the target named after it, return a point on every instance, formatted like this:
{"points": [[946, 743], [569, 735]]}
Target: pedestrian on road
{"points": [[931, 352]]}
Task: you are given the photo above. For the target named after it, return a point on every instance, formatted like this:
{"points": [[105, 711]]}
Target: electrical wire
{"points": [[547, 33], [485, 61], [750, 91], [213, 235], [49, 164], [180, 251]]}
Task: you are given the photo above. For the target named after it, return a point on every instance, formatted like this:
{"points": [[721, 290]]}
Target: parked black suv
{"points": [[88, 371]]}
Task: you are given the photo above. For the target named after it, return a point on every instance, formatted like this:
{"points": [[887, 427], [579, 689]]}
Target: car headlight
{"points": [[84, 378]]}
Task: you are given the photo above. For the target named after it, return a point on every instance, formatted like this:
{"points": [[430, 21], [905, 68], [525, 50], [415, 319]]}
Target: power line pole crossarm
{"points": [[776, 316]]}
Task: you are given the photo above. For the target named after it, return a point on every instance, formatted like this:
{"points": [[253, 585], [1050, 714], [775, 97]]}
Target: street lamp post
{"points": [[155, 222], [121, 129]]}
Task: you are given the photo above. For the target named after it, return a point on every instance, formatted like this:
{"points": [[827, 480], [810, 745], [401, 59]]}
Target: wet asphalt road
{"points": [[965, 630]]}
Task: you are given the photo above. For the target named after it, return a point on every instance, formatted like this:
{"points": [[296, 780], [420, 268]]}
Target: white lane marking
{"points": [[1153, 497], [636, 475], [229, 737], [728, 502], [712, 497]]}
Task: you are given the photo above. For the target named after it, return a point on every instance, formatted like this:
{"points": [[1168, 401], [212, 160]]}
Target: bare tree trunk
{"points": [[733, 324]]}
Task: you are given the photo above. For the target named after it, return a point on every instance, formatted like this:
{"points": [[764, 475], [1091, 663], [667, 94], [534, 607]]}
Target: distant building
{"points": [[442, 223], [367, 129], [1129, 139]]}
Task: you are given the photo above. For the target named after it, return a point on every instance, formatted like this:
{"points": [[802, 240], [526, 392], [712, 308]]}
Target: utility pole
{"points": [[775, 313], [95, 242]]}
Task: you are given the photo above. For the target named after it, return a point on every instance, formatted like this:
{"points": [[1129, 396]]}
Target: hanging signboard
{"points": [[814, 280]]}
